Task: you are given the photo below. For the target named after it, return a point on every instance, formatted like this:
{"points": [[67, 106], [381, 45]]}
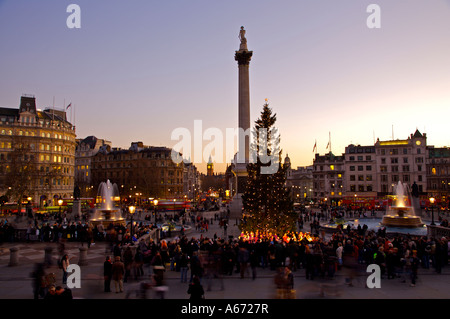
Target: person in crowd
{"points": [[118, 271], [195, 289], [107, 274]]}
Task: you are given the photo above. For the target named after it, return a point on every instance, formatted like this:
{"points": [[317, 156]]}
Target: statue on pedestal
{"points": [[243, 39]]}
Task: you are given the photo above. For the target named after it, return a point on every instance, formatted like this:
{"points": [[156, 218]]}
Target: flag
{"points": [[68, 106], [315, 146]]}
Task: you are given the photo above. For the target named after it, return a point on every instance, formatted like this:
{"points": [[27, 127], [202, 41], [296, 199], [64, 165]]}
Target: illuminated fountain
{"points": [[401, 215], [107, 212]]}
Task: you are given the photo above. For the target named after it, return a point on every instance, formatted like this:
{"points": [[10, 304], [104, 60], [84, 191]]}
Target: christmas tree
{"points": [[267, 203]]}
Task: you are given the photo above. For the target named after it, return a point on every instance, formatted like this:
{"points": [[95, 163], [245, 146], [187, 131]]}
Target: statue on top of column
{"points": [[243, 39]]}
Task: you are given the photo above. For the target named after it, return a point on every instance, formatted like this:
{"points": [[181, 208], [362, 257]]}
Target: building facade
{"points": [[438, 174], [364, 174], [191, 181], [360, 174], [300, 181], [37, 153], [140, 172], [85, 149], [328, 178], [401, 160]]}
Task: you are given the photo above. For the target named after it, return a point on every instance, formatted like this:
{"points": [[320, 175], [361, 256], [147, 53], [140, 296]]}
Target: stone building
{"points": [[141, 172], [37, 153], [86, 148], [364, 174], [401, 160], [438, 174], [328, 178], [300, 181]]}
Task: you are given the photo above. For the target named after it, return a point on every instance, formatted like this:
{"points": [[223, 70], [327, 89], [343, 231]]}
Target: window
{"points": [[368, 158], [352, 168], [361, 178], [394, 160], [360, 168], [360, 158], [352, 178], [394, 151], [433, 171], [369, 178], [369, 188], [368, 168], [383, 160], [361, 188]]}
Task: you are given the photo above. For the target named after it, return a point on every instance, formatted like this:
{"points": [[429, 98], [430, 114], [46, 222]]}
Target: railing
{"points": [[438, 231]]}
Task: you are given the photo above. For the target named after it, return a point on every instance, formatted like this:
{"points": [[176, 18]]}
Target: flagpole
{"points": [[53, 113], [329, 140]]}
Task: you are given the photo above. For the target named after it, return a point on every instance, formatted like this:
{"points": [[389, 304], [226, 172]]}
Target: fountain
{"points": [[401, 215], [107, 213]]}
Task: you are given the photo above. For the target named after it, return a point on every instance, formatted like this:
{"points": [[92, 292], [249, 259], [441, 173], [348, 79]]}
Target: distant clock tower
{"points": [[210, 167]]}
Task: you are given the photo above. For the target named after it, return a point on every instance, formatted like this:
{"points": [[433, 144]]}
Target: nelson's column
{"points": [[243, 57]]}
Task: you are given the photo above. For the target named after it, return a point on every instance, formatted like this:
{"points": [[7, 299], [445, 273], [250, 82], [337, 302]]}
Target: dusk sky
{"points": [[136, 70]]}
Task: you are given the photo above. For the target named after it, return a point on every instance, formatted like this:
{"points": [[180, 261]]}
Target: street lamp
{"points": [[131, 209], [432, 210], [60, 202], [155, 203]]}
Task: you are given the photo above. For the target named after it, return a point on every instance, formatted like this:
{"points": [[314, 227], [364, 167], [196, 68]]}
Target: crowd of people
{"points": [[347, 252], [206, 257]]}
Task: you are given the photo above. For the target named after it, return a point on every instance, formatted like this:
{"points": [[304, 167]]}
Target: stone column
{"points": [[13, 256], [83, 256], [243, 57]]}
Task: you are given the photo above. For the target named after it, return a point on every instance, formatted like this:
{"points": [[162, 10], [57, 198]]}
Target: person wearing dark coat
{"points": [[196, 289], [107, 273]]}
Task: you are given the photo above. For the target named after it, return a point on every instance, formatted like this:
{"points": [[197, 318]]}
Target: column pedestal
{"points": [[83, 256], [13, 256]]}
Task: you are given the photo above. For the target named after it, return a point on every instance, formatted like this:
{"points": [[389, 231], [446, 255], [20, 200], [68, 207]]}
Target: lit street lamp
{"points": [[432, 210], [155, 203], [131, 209], [60, 202]]}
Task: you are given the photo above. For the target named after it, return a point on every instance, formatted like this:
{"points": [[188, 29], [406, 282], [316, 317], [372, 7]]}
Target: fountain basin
{"points": [[401, 216], [107, 217], [401, 221]]}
